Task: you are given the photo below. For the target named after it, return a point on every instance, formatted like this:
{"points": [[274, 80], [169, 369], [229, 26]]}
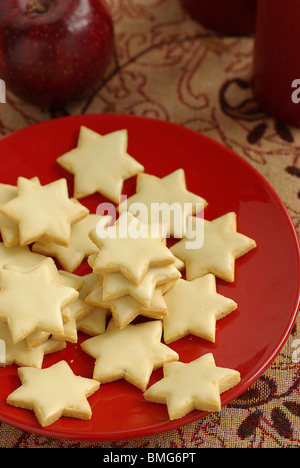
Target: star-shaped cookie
{"points": [[222, 246], [78, 307], [167, 195], [100, 163], [53, 392], [31, 300], [43, 211], [193, 308], [196, 385], [131, 353], [126, 240], [80, 245]]}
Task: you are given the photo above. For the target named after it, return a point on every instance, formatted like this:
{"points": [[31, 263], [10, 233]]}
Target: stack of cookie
{"points": [[135, 269], [129, 289]]}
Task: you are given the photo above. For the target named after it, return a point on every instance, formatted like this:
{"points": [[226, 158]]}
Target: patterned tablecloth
{"points": [[168, 67]]}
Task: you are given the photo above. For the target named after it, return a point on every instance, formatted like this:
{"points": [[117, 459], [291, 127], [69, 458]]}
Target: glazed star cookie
{"points": [[196, 385], [80, 245], [128, 238], [194, 308], [53, 392], [43, 211], [170, 191], [131, 353], [100, 163], [76, 308], [31, 300], [222, 246]]}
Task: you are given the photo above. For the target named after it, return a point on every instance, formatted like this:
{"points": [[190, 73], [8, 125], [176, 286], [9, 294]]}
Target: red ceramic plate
{"points": [[267, 279]]}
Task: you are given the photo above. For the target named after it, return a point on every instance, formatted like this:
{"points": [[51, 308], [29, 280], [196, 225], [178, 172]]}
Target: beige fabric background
{"points": [[166, 66]]}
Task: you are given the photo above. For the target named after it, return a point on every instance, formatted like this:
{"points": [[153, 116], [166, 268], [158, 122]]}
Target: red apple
{"points": [[53, 52]]}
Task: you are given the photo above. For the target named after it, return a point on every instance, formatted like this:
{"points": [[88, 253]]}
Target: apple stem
{"points": [[36, 7]]}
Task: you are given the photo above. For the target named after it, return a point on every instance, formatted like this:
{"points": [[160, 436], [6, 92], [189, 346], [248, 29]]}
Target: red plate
{"points": [[267, 279]]}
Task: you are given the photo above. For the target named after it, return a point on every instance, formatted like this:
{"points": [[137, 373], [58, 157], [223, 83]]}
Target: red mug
{"points": [[276, 74], [232, 17]]}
